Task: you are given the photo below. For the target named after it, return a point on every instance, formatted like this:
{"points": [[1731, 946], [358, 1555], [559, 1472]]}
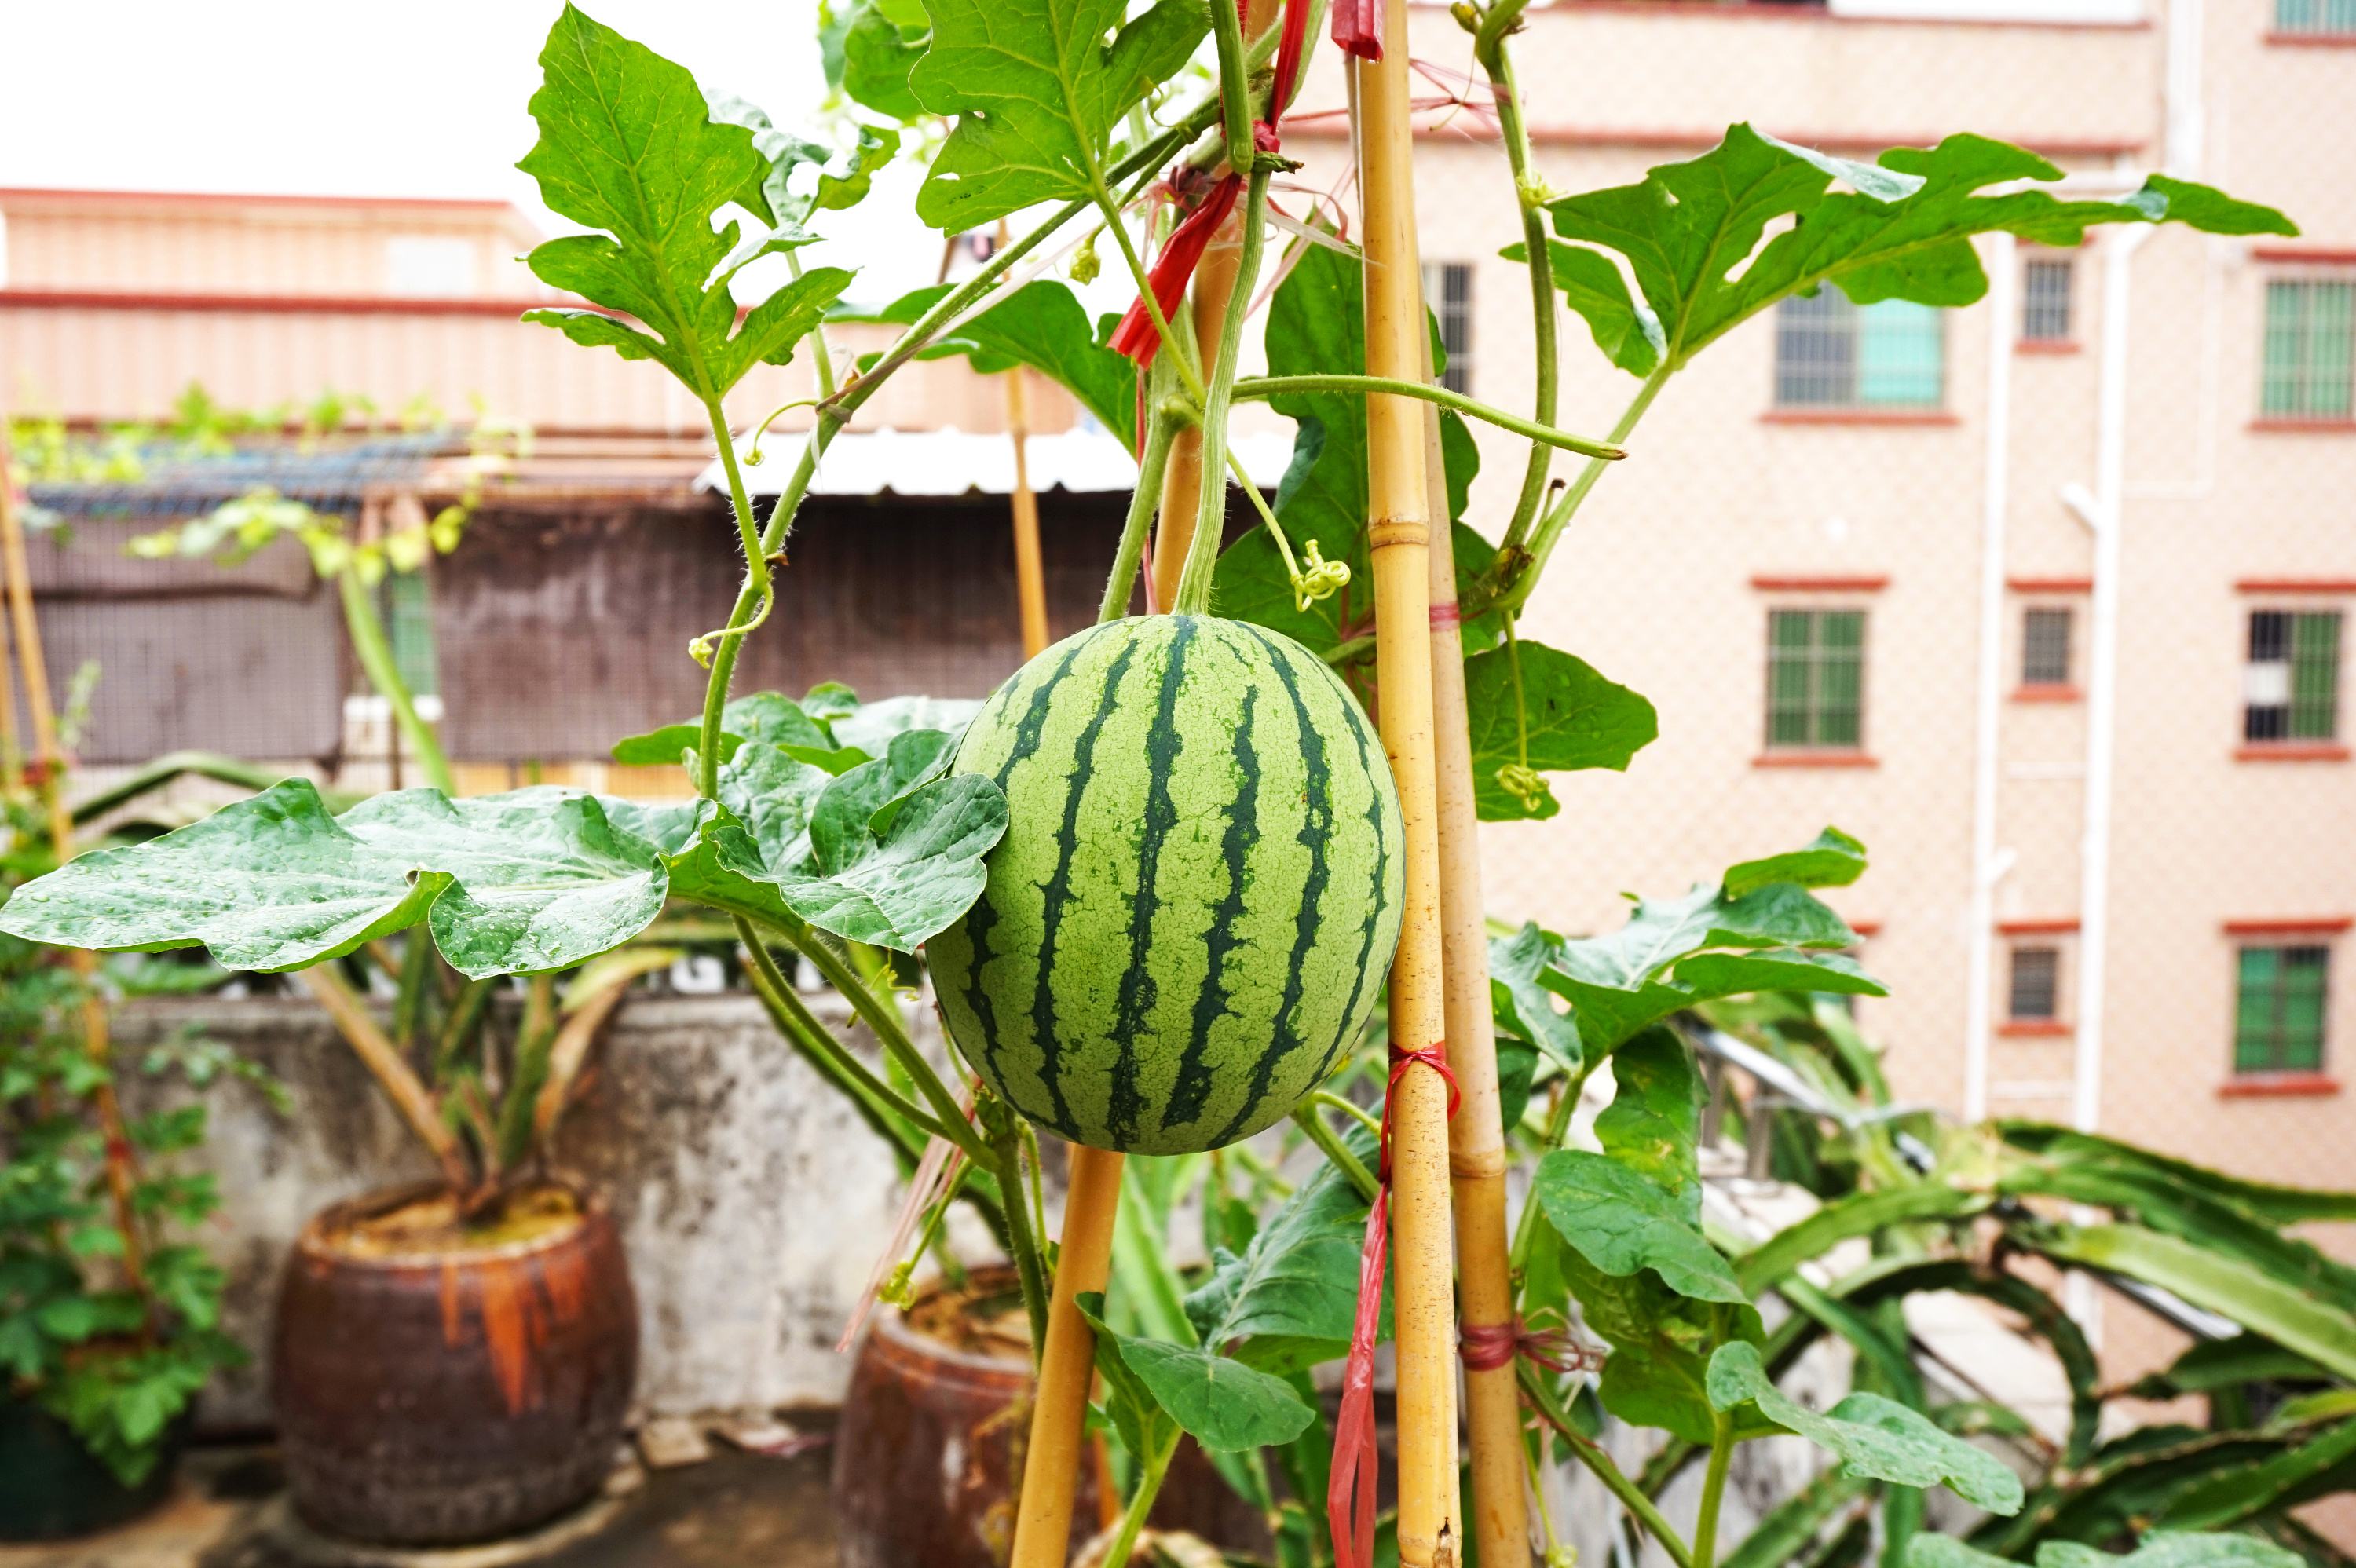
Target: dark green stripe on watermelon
{"points": [[1184, 922]]}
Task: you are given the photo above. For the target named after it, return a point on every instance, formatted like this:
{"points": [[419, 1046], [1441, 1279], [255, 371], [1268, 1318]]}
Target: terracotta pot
{"points": [[928, 1455], [450, 1397], [52, 1489]]}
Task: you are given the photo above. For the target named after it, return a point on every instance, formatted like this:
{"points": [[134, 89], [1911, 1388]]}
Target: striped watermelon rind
{"points": [[1198, 893]]}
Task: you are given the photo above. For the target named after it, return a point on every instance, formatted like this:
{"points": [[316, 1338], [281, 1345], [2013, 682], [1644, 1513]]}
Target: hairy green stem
{"points": [[375, 654], [740, 502], [883, 1015], [1160, 428], [1713, 1490], [1194, 591], [1022, 1238], [1152, 1468], [1306, 1118], [1253, 387], [1506, 585], [1235, 88], [1599, 1464], [1496, 61], [823, 368], [842, 1062]]}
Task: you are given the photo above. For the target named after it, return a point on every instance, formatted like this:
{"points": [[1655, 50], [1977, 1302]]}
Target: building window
{"points": [[2279, 1006], [1832, 354], [2290, 687], [2045, 647], [2045, 301], [1448, 290], [2310, 327], [405, 601], [2035, 993], [2316, 17], [1815, 680]]}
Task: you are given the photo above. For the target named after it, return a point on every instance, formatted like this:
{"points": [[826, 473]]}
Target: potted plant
{"points": [[110, 1313], [833, 851]]}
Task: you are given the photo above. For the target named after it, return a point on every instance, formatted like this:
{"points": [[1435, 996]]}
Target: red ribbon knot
{"points": [[1350, 1492]]}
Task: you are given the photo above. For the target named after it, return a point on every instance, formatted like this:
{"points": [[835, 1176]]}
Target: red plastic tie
{"points": [[1350, 1491], [1486, 1347], [1444, 617], [1358, 27], [1175, 268]]}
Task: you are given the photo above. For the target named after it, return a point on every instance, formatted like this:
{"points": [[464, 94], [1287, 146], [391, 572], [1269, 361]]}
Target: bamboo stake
{"points": [[1399, 528], [1476, 1142], [1030, 578], [121, 1167], [392, 1070], [1051, 1463]]}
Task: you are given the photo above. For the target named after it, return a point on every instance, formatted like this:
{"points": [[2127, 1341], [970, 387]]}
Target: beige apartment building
{"points": [[2044, 598]]}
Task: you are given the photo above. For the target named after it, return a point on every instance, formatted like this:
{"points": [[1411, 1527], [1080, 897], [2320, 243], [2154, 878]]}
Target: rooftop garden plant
{"points": [[1085, 862]]}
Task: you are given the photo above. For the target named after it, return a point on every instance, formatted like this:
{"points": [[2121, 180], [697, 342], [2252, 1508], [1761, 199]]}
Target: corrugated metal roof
{"points": [[328, 478], [951, 461]]}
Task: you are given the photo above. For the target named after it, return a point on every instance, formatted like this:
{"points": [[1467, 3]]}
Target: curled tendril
{"points": [[752, 452], [700, 649], [1322, 580], [896, 1291], [1524, 783]]}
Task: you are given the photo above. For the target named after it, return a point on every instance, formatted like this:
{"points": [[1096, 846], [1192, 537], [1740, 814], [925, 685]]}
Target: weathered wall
{"points": [[752, 1202]]}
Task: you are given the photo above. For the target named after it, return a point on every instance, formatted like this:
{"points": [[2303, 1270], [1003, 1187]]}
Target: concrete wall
{"points": [[752, 1202]]}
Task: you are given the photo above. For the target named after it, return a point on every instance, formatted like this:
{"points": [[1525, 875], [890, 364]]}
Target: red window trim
{"points": [[1860, 417], [2047, 346], [2054, 691], [1768, 583], [2311, 255], [2278, 426], [2313, 40], [2036, 1028], [2291, 751], [2278, 1086], [2050, 584], [2039, 925], [1796, 758], [1868, 928], [2291, 925], [2295, 585]]}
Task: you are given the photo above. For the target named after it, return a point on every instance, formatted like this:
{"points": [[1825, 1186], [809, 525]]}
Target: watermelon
{"points": [[1197, 896]]}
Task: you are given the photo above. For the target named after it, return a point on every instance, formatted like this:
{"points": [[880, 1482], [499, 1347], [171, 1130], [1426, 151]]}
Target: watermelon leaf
{"points": [[1875, 1438], [1043, 326], [628, 147], [2160, 1549], [1136, 1415], [1621, 1221], [1222, 1403], [1664, 959], [1902, 230], [873, 855], [1292, 1299], [1525, 1008], [531, 880], [1653, 1125], [1037, 89], [1316, 325], [1576, 720], [1834, 860], [878, 52]]}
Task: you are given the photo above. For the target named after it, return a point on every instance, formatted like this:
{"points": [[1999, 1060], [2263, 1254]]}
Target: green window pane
{"points": [[408, 610], [2315, 676], [1816, 677], [1900, 354], [2309, 348]]}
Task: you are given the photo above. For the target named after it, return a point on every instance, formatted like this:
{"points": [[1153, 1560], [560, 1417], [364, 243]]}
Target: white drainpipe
{"points": [[2003, 280], [2102, 512]]}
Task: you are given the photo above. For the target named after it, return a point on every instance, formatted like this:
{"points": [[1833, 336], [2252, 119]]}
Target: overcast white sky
{"points": [[425, 97]]}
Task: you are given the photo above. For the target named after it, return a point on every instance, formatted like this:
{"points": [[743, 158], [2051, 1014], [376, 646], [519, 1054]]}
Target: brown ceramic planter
{"points": [[451, 1397], [928, 1457]]}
